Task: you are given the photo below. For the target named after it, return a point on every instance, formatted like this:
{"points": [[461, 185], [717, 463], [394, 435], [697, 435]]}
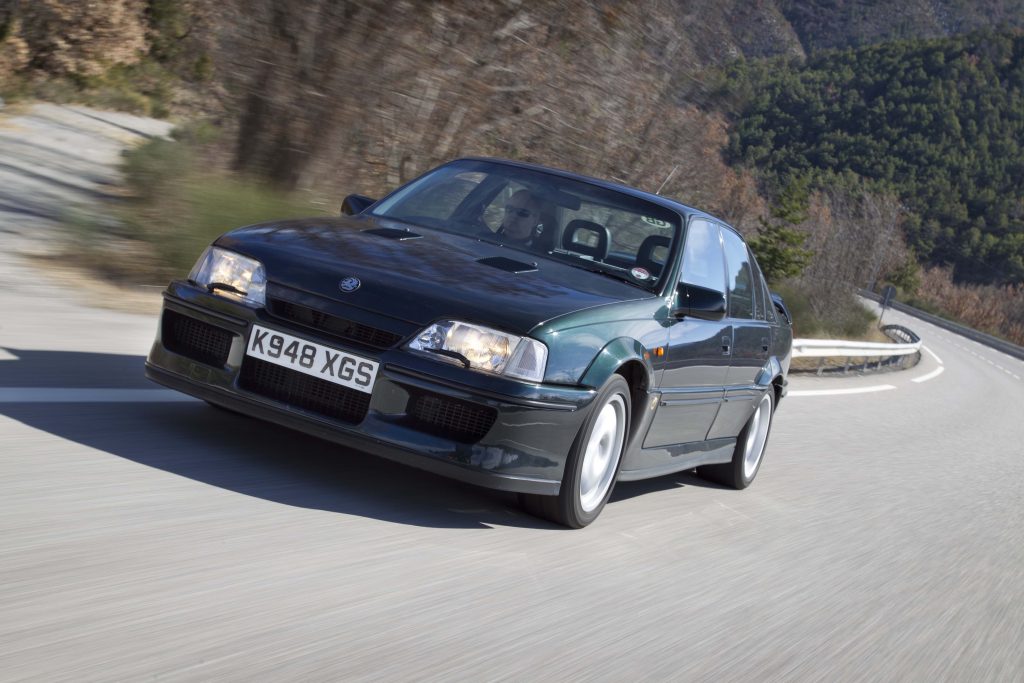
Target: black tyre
{"points": [[750, 447], [593, 462]]}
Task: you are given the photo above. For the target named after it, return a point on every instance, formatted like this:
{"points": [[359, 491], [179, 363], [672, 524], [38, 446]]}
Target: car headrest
{"points": [[586, 237], [653, 253]]}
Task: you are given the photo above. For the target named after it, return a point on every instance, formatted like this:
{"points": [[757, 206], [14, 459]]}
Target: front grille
{"points": [[451, 418], [301, 390], [348, 330], [195, 339]]}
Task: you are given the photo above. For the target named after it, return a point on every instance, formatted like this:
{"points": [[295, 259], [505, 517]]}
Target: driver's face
{"points": [[521, 216]]}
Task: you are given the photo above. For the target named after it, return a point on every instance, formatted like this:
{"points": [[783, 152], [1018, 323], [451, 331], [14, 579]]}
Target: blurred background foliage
{"points": [[856, 143]]}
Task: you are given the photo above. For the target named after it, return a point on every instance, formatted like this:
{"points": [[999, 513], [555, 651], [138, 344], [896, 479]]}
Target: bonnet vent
{"points": [[394, 233], [511, 265]]}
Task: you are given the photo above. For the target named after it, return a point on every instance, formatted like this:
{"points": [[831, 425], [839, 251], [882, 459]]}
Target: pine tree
{"points": [[779, 246]]}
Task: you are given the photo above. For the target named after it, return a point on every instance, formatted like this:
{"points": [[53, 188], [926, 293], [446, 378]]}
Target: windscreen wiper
{"points": [[593, 267]]}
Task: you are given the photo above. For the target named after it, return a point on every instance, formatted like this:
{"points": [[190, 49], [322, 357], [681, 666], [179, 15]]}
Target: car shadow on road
{"points": [[212, 446], [624, 490]]}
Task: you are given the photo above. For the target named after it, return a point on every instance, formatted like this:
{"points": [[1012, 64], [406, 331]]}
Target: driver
{"points": [[522, 224]]}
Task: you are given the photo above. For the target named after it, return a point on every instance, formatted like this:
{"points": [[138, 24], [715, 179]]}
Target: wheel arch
{"points": [[772, 376], [613, 356], [628, 358], [777, 388]]}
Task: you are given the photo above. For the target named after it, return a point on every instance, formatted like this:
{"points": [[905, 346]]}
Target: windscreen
{"points": [[572, 221]]}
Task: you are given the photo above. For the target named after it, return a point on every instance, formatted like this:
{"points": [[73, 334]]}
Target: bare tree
{"points": [[367, 95], [855, 236]]}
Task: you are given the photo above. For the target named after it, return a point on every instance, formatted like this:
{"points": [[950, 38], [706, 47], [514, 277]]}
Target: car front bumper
{"points": [[484, 430]]}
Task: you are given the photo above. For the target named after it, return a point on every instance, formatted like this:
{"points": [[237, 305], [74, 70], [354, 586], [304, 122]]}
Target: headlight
{"points": [[231, 275], [482, 348]]}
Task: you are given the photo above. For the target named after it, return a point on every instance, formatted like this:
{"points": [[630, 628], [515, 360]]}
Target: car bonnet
{"points": [[423, 275]]}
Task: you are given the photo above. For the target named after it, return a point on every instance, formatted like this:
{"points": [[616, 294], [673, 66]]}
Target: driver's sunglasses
{"points": [[519, 211]]}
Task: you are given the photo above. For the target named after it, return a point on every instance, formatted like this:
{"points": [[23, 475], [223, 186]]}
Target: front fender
{"points": [[616, 353]]}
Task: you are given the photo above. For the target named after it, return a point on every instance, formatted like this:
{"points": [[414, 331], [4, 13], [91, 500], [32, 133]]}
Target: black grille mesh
{"points": [[451, 418], [331, 324], [304, 391], [195, 339]]}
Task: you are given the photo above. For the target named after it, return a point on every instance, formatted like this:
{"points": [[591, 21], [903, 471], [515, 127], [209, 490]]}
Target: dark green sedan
{"points": [[505, 324]]}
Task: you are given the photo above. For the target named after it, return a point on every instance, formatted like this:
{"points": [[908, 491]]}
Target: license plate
{"points": [[312, 359]]}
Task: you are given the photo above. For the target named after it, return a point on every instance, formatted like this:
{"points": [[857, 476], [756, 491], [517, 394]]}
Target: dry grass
{"points": [[992, 309], [96, 291]]}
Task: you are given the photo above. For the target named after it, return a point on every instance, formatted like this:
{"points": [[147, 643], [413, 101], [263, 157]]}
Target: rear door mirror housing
{"points": [[694, 301]]}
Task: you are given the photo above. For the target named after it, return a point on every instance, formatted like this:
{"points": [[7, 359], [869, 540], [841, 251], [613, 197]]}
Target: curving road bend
{"points": [[144, 535]]}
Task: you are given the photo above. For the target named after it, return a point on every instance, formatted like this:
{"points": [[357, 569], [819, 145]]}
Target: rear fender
{"points": [[772, 369]]}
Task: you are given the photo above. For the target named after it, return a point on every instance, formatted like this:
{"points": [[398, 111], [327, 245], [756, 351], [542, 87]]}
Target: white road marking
{"points": [[931, 375], [64, 395], [841, 392], [937, 359]]}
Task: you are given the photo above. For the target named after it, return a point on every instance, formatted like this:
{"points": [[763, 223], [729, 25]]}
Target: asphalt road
{"points": [[146, 535]]}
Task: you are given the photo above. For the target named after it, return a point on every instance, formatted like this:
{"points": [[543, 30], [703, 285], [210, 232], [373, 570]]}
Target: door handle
{"points": [[726, 345]]}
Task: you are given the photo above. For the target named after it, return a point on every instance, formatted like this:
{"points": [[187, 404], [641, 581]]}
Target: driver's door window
{"points": [[494, 211], [703, 264]]}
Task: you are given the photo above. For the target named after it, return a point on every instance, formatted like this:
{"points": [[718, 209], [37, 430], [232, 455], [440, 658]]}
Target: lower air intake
{"points": [[301, 390], [195, 339], [457, 420]]}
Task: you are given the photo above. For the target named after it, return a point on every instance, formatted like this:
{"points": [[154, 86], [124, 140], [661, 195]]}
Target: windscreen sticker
{"points": [[640, 273], [656, 222]]}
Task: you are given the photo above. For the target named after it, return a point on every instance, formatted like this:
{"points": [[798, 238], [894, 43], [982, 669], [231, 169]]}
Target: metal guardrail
{"points": [[826, 348], [861, 355], [996, 343]]}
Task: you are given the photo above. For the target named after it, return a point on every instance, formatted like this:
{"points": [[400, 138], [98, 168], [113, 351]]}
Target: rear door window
{"points": [[768, 306], [759, 288], [740, 276]]}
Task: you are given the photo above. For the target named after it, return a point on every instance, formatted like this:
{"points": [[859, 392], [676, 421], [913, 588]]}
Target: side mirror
{"points": [[693, 301], [355, 204]]}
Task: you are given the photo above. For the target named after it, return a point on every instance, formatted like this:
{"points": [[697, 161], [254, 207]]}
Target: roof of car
{"points": [[670, 204]]}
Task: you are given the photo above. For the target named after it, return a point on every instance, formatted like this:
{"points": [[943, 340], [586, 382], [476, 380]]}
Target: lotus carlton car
{"points": [[505, 324]]}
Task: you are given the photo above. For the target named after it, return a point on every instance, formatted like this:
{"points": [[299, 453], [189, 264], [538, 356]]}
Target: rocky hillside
{"points": [[343, 96]]}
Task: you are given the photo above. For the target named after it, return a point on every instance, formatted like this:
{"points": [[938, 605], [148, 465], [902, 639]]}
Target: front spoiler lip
{"points": [[285, 418]]}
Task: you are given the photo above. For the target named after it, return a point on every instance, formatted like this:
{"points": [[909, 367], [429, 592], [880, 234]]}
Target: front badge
{"points": [[349, 284]]}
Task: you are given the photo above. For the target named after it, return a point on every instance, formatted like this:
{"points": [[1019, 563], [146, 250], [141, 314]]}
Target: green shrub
{"points": [[176, 208], [155, 167], [196, 133], [202, 69], [211, 205]]}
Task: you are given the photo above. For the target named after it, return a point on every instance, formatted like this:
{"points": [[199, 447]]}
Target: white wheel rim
{"points": [[601, 457], [757, 436]]}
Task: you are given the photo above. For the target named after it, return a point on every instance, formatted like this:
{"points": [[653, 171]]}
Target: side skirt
{"points": [[682, 457]]}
